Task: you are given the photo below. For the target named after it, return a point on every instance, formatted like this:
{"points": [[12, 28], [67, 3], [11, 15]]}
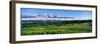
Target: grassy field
{"points": [[54, 29]]}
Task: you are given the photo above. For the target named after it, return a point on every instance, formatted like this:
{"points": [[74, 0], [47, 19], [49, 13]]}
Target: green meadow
{"points": [[58, 28]]}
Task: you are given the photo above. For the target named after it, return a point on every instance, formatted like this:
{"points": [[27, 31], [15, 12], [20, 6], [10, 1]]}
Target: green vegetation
{"points": [[61, 27]]}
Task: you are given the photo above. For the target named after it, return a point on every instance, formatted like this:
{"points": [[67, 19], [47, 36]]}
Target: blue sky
{"points": [[83, 14]]}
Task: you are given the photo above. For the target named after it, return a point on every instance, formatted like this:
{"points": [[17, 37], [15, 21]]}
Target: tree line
{"points": [[31, 23]]}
